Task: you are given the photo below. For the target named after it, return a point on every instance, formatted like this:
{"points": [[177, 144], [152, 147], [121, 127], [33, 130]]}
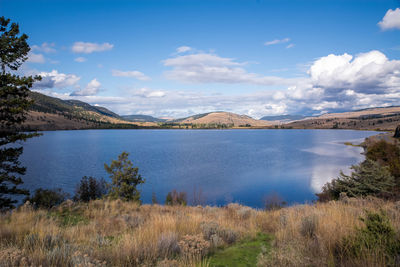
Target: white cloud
{"points": [[148, 93], [210, 68], [334, 82], [80, 59], [277, 41], [183, 49], [87, 48], [133, 74], [391, 20], [290, 46], [366, 73], [54, 79], [92, 88], [45, 47], [35, 58]]}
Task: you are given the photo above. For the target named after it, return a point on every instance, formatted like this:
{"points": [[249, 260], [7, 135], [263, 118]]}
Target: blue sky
{"points": [[178, 58]]}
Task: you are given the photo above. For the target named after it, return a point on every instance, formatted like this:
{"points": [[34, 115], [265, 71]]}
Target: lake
{"points": [[225, 165]]}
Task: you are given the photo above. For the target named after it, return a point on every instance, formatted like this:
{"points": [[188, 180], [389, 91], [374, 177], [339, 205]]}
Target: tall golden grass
{"points": [[116, 233]]}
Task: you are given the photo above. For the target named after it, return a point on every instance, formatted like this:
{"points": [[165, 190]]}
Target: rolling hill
{"points": [[384, 118], [50, 113], [223, 118]]}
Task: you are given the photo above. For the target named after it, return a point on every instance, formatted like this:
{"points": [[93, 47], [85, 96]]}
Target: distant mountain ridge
{"points": [[283, 118], [141, 118]]}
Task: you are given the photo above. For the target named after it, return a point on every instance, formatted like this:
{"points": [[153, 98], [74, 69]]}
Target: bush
{"points": [[176, 198], [387, 155], [367, 179], [193, 246], [167, 245], [376, 243], [89, 188], [47, 198], [308, 226]]}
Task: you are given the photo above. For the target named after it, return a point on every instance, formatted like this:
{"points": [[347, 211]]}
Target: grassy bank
{"points": [[115, 233]]}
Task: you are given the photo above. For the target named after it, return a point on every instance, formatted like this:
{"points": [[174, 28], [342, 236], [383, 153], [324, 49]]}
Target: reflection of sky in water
{"points": [[333, 157], [234, 165]]}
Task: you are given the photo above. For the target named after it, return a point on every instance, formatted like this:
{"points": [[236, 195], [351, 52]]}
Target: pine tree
{"points": [[124, 179], [14, 103]]}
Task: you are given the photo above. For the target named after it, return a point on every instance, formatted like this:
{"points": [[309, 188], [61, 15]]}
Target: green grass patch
{"points": [[69, 218], [243, 253], [351, 144]]}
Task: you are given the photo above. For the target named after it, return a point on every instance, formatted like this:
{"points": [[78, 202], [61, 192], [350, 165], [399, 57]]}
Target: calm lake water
{"points": [[226, 165]]}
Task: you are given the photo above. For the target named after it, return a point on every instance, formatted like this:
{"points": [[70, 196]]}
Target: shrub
{"points": [[193, 246], [89, 188], [176, 198], [214, 233], [47, 198], [167, 244], [368, 178], [308, 226], [376, 243], [387, 155]]}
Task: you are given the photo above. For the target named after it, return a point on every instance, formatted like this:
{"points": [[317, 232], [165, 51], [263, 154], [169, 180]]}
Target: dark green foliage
{"points": [[13, 106], [376, 243], [124, 179], [368, 178], [47, 198], [387, 155], [13, 48], [176, 198], [89, 188]]}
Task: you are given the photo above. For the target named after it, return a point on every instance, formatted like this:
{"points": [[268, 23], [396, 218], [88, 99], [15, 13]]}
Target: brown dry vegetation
{"points": [[116, 233], [226, 118], [387, 118], [53, 121]]}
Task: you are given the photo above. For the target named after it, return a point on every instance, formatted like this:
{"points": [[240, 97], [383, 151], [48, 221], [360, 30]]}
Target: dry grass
{"points": [[309, 235], [115, 233]]}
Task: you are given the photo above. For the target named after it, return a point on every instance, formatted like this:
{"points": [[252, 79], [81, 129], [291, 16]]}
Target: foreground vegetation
{"points": [[117, 233]]}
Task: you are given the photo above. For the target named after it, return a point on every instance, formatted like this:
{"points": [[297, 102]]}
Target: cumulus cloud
{"points": [[87, 48], [333, 83], [391, 20], [92, 88], [211, 68], [45, 48], [80, 59], [277, 41], [133, 74], [35, 58], [54, 79], [370, 72], [183, 49]]}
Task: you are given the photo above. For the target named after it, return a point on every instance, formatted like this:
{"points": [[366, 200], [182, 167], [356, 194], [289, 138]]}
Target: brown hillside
{"points": [[368, 119], [226, 118]]}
